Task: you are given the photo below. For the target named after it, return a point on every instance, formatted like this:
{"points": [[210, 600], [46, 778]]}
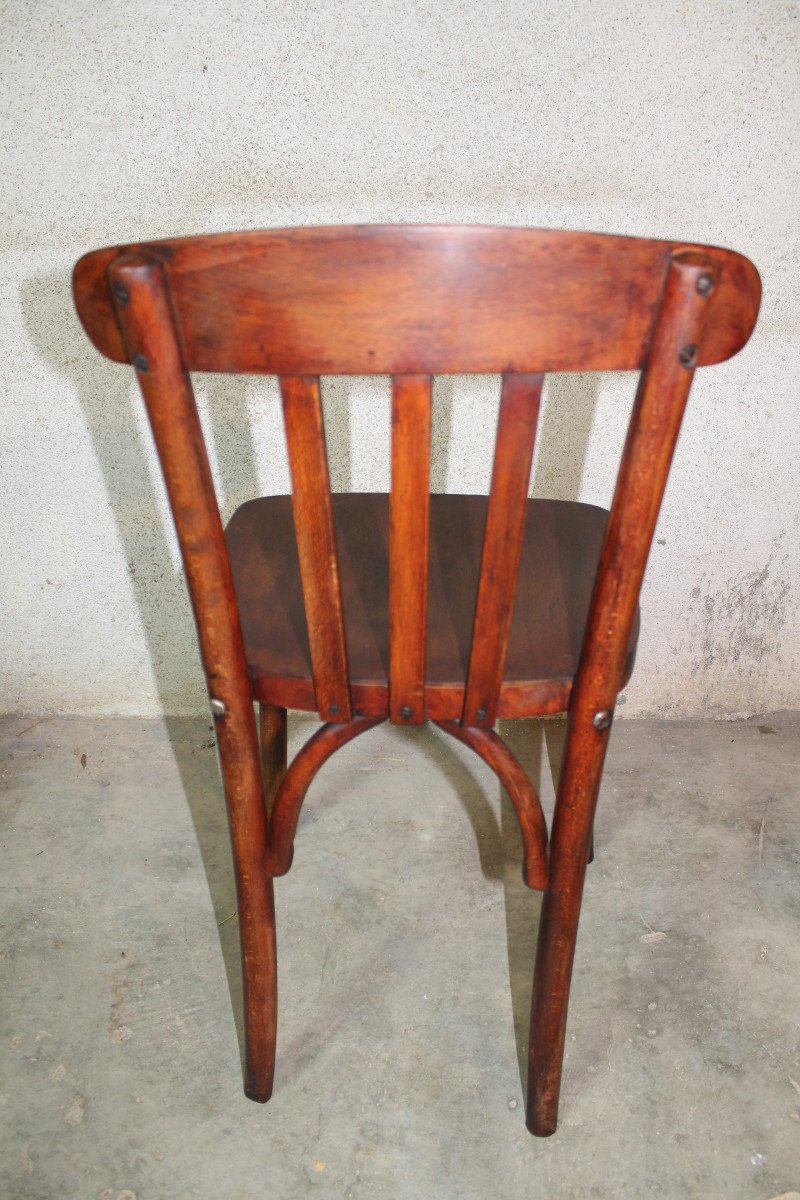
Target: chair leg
{"points": [[257, 929], [272, 727], [558, 927], [570, 849], [260, 985]]}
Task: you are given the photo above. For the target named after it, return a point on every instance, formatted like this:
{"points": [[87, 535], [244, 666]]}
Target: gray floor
{"points": [[406, 941]]}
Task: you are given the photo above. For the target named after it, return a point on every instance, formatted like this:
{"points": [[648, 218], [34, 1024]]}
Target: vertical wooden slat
{"points": [[144, 311], [649, 446], [502, 546], [409, 510], [316, 544]]}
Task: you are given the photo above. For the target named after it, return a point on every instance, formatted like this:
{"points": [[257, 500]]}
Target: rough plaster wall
{"points": [[140, 120]]}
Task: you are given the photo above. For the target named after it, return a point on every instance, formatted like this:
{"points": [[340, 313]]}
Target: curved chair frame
{"points": [[409, 301]]}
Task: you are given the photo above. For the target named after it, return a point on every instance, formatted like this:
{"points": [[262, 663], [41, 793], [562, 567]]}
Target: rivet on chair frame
{"points": [[688, 355], [120, 292], [704, 284], [140, 362], [334, 710], [405, 712], [218, 707], [602, 719], [480, 713]]}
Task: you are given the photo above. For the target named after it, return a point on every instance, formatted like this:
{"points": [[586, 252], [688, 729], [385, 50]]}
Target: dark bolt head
{"points": [[602, 719], [704, 284], [480, 713], [334, 710], [405, 711], [140, 362], [121, 292], [688, 355]]}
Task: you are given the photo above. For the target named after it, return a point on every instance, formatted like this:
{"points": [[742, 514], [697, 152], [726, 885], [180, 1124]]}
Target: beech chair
{"points": [[414, 607]]}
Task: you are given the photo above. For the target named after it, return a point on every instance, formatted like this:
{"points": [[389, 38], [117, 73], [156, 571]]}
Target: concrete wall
{"points": [[149, 119]]}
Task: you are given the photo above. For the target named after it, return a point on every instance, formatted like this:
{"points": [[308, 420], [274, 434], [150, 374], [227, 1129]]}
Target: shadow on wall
{"points": [[108, 401]]}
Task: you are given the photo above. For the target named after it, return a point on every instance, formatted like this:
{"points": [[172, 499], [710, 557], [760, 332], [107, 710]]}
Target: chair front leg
{"points": [[272, 728]]}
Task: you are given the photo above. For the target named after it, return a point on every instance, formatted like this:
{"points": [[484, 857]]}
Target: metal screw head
{"points": [[688, 355], [405, 711], [218, 707], [140, 362], [704, 284], [120, 291], [334, 710], [602, 719], [480, 713]]}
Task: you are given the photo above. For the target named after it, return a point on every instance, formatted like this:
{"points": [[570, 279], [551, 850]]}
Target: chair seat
{"points": [[559, 558]]}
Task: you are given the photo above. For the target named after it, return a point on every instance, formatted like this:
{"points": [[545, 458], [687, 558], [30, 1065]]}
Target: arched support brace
{"points": [[292, 791], [493, 750]]}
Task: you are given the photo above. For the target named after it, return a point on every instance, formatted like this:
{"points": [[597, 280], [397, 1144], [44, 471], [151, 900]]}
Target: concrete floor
{"points": [[406, 941]]}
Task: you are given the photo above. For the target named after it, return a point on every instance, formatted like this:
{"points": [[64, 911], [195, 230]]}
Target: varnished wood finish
{"points": [[653, 432], [523, 795], [294, 609], [409, 508], [272, 731], [502, 547], [408, 299], [292, 791], [316, 543], [560, 551], [146, 318]]}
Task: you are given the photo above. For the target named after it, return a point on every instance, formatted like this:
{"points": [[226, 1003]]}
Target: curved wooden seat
{"points": [[560, 551]]}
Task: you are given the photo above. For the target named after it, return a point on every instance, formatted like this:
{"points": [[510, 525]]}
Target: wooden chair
{"points": [[412, 607]]}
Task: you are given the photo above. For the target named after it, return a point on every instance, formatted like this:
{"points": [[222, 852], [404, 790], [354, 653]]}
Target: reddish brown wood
{"points": [[408, 299], [412, 301], [560, 552], [145, 316], [502, 546], [296, 782], [316, 543], [664, 388], [409, 508], [272, 730], [522, 793]]}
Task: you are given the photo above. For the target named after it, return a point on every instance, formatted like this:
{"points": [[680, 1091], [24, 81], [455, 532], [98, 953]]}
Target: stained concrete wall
{"points": [[140, 120]]}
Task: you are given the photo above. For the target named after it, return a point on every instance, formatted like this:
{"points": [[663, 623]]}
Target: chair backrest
{"points": [[411, 302]]}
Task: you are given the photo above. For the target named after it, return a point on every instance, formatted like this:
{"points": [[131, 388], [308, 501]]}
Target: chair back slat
{"points": [[409, 508], [316, 544], [502, 546]]}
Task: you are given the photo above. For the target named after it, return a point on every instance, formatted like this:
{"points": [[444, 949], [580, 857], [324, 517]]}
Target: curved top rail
{"points": [[373, 299]]}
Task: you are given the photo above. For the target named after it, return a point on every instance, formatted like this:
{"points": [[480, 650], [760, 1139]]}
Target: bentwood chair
{"points": [[413, 607]]}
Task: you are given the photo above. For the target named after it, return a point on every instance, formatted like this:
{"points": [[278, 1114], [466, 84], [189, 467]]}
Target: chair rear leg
{"points": [[257, 929], [570, 848], [555, 731], [260, 984], [558, 928]]}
